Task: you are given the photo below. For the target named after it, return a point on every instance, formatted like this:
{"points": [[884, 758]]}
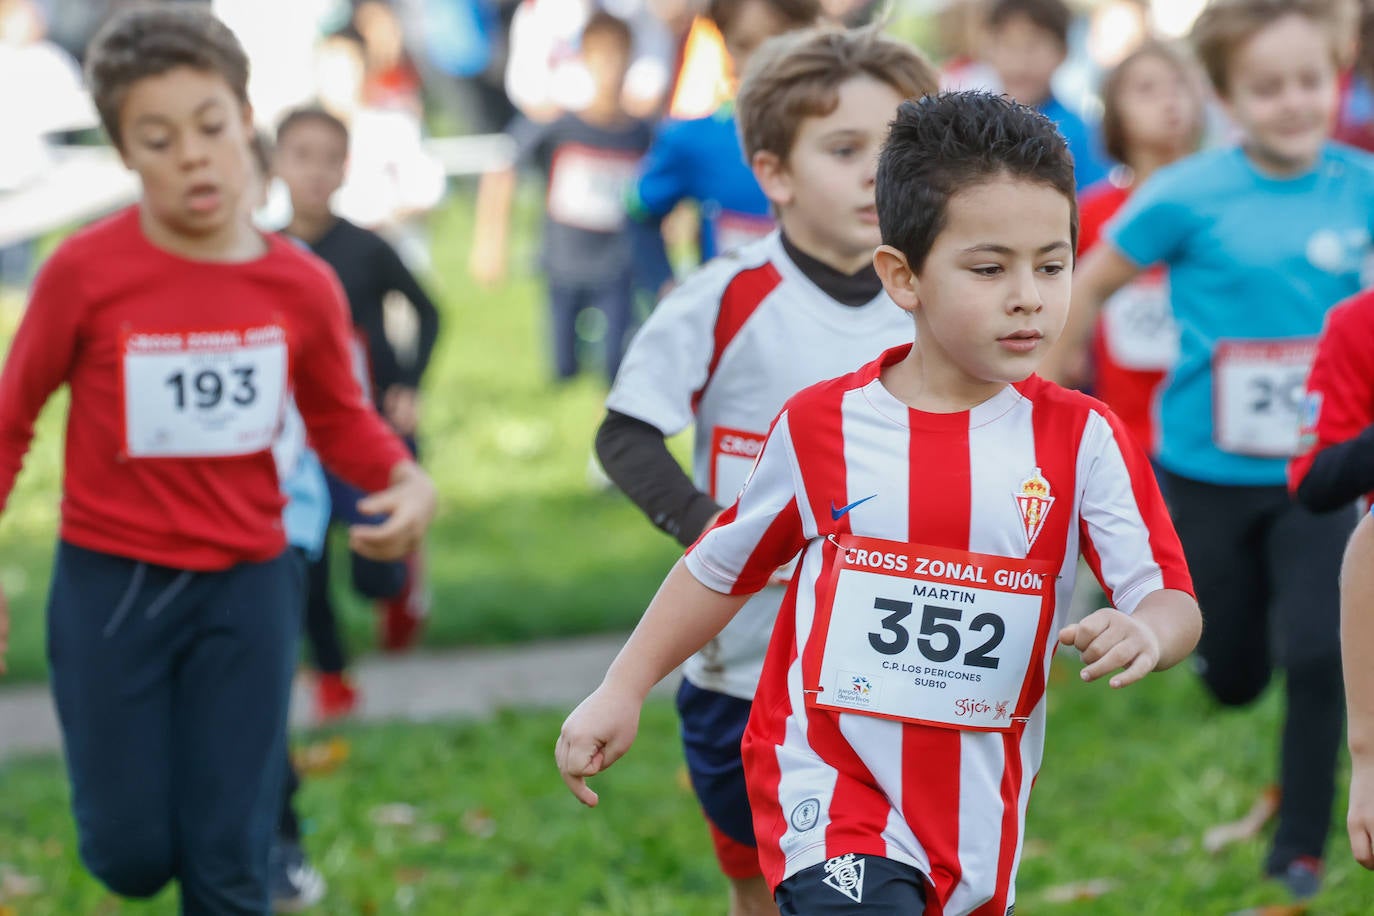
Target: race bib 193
{"points": [[928, 635], [203, 394], [1257, 395]]}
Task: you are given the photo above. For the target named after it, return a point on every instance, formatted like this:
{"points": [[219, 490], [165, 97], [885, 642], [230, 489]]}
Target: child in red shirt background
{"points": [[1152, 115], [174, 609]]}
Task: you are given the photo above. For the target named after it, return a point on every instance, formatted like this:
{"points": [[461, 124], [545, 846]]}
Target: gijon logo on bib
{"points": [[1033, 502]]}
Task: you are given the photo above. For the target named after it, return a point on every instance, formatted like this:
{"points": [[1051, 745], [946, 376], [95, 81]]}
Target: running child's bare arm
{"points": [[1357, 648], [683, 616]]}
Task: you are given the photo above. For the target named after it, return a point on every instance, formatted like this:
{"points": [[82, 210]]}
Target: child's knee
{"points": [[129, 863], [1233, 686], [377, 580]]}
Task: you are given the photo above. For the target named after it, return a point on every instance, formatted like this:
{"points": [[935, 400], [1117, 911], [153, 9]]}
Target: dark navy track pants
{"points": [[172, 689]]}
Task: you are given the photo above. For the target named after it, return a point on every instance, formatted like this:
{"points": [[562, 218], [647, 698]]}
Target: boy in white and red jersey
{"points": [[729, 346], [940, 497], [175, 605]]}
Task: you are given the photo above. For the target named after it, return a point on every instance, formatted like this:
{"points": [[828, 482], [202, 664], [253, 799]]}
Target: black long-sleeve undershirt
{"points": [[635, 456], [369, 268], [1340, 474]]}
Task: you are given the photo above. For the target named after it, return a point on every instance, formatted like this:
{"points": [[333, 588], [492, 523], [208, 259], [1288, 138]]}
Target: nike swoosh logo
{"points": [[841, 512]]}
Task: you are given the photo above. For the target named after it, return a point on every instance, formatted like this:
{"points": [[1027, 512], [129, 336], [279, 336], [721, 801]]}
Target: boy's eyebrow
{"points": [[845, 132], [154, 116], [994, 248]]}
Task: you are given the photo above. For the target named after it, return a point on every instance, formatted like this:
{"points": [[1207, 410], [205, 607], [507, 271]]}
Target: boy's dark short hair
{"points": [[147, 40], [1225, 25], [941, 145], [1054, 16], [306, 115], [604, 23], [1113, 129], [797, 75], [796, 13]]}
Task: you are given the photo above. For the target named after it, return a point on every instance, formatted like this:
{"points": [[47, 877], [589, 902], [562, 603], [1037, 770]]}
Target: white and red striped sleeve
{"points": [[1127, 536], [762, 530]]}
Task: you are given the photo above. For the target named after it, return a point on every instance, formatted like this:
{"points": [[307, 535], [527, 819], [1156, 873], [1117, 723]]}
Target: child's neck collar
{"points": [[853, 289]]}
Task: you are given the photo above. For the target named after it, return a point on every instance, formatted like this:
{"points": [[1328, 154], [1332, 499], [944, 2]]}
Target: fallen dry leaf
{"points": [[1078, 891], [409, 875], [478, 822], [1275, 909], [321, 757], [1248, 827], [14, 885]]}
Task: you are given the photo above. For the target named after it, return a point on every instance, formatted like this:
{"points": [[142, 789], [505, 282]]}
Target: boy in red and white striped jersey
{"points": [[736, 339], [940, 497]]}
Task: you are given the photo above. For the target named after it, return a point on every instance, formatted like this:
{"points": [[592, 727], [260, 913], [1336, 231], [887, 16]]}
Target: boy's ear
{"points": [[773, 178], [899, 280]]}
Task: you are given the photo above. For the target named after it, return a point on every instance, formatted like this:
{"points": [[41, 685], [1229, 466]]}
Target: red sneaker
{"points": [[335, 697], [402, 617]]}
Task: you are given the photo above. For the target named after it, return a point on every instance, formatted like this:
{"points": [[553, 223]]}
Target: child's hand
{"points": [[1359, 822], [597, 733], [487, 265], [401, 405], [408, 504], [1108, 640]]}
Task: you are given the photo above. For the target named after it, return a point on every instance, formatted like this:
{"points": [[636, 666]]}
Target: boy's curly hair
{"points": [[941, 145], [147, 40]]}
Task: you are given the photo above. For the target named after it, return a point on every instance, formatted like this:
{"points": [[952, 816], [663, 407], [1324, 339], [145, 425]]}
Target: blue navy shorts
{"points": [[712, 726]]}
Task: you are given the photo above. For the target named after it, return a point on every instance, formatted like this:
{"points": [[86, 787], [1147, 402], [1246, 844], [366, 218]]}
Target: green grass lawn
{"points": [[522, 547], [1131, 780]]}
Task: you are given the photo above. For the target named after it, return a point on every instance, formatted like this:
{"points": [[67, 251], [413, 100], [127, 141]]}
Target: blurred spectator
{"points": [[1355, 117], [390, 78], [73, 23], [1027, 42], [462, 51], [962, 29], [52, 100], [588, 159], [390, 178], [545, 75], [1153, 114], [700, 159], [278, 38]]}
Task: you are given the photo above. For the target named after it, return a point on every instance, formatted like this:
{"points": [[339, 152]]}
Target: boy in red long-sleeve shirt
{"points": [[174, 608]]}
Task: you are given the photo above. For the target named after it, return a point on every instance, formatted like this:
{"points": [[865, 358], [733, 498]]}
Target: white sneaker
{"points": [[296, 884]]}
